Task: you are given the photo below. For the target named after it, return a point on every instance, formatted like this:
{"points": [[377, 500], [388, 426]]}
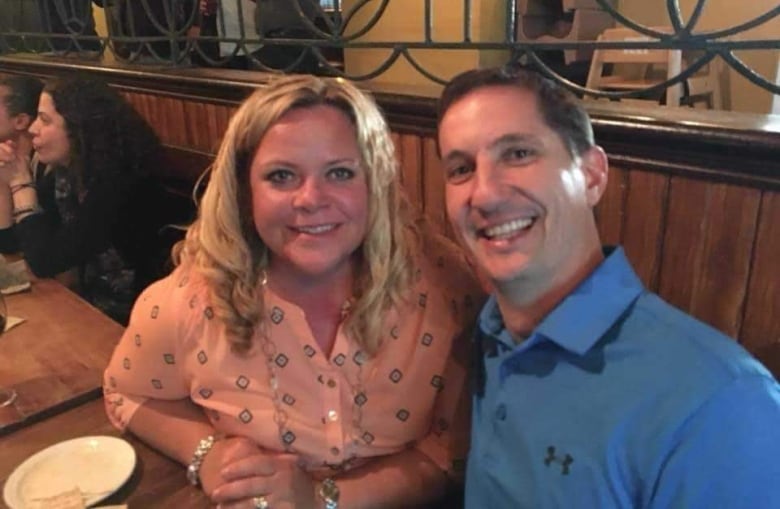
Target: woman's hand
{"points": [[276, 477], [14, 170], [222, 453]]}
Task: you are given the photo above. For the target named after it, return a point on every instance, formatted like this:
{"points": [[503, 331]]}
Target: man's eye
{"points": [[280, 176], [517, 154], [341, 173], [459, 173]]}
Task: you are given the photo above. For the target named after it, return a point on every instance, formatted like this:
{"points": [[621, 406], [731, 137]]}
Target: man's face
{"points": [[521, 205]]}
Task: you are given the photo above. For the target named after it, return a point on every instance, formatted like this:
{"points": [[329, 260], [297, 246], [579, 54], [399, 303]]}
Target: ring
{"points": [[260, 502]]}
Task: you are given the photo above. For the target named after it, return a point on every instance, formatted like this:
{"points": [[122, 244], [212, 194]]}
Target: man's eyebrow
{"points": [[506, 139]]}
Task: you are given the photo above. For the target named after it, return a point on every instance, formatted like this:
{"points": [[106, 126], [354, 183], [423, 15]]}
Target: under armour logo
{"points": [[564, 462]]}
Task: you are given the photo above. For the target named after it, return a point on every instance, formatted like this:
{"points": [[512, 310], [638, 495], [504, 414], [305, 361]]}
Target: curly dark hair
{"points": [[107, 135]]}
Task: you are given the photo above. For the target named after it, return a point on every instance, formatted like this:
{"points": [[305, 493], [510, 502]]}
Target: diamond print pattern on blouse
{"points": [[242, 382], [202, 357], [422, 300], [309, 351], [193, 301], [157, 384], [245, 416], [183, 281], [281, 360], [368, 437], [277, 315], [155, 311], [208, 313], [396, 376], [205, 393], [169, 358], [289, 437], [402, 415], [394, 332], [126, 363], [438, 382], [112, 382], [137, 340], [361, 398], [339, 359], [359, 358], [288, 400], [426, 339]]}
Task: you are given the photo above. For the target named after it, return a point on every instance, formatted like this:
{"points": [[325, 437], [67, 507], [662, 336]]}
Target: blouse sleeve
{"points": [[447, 443], [145, 364]]}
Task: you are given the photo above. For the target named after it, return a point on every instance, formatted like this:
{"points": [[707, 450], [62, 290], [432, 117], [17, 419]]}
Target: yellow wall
{"points": [[741, 95], [403, 20]]}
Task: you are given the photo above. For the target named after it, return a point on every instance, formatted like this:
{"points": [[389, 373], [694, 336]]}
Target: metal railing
{"points": [[220, 32]]}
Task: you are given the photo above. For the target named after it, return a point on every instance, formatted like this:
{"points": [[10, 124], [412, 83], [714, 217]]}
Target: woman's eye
{"points": [[280, 176], [458, 174], [341, 173]]}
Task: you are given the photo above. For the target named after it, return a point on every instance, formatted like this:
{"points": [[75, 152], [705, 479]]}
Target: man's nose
{"points": [[488, 191]]}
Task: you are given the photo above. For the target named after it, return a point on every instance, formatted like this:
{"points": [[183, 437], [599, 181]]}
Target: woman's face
{"points": [[50, 136], [309, 192]]}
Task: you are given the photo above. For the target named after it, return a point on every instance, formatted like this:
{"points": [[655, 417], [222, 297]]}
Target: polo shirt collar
{"points": [[585, 315]]}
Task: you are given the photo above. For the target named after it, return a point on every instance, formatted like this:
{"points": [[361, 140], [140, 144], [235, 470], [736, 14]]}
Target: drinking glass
{"points": [[7, 395]]}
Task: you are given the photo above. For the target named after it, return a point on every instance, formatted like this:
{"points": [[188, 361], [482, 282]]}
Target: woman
{"points": [[95, 209], [309, 345], [18, 108]]}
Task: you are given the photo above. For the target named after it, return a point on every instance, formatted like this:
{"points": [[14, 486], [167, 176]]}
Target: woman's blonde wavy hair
{"points": [[223, 244]]}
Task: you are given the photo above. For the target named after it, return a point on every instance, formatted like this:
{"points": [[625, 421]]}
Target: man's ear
{"points": [[595, 166], [22, 121]]}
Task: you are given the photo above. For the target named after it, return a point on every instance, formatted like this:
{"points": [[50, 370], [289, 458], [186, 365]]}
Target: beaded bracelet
{"points": [[19, 187]]}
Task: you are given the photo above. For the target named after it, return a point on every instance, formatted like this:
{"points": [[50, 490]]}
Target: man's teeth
{"points": [[507, 229], [316, 229]]}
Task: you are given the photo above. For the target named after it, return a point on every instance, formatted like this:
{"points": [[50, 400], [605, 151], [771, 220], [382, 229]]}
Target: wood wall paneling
{"points": [[644, 222], [707, 250], [434, 187], [609, 211], [761, 325]]}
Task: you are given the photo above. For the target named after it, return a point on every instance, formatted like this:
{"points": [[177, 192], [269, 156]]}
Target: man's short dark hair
{"points": [[561, 110], [24, 92]]}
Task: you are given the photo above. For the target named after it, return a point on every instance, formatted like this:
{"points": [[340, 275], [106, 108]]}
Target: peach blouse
{"points": [[333, 411]]}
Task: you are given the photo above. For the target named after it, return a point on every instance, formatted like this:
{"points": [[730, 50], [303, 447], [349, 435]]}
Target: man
{"points": [[591, 391], [18, 109]]}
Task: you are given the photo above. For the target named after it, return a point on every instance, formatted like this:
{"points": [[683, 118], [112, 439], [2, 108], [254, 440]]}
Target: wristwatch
{"points": [[329, 493], [193, 469]]}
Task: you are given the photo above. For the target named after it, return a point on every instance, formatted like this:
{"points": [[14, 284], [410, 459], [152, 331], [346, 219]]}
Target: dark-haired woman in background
{"points": [[18, 108], [95, 209]]}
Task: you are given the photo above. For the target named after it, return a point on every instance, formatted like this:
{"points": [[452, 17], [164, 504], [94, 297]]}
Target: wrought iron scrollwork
{"points": [[164, 32]]}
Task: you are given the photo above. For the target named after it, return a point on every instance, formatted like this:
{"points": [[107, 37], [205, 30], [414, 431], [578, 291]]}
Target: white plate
{"points": [[98, 466]]}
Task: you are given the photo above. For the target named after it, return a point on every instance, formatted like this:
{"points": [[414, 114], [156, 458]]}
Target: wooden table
{"points": [[55, 359], [156, 482]]}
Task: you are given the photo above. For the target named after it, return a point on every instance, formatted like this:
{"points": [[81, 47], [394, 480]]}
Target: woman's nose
{"points": [[310, 196]]}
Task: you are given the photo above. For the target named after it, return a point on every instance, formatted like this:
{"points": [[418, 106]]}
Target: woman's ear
{"points": [[595, 166]]}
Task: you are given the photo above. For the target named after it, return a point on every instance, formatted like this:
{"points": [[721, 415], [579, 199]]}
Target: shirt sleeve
{"points": [[727, 453], [52, 247], [447, 443], [145, 364]]}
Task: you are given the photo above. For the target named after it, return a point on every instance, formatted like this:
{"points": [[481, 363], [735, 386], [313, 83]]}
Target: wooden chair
{"points": [[637, 69]]}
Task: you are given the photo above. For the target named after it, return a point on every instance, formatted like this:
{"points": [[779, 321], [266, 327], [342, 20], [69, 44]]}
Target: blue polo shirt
{"points": [[619, 399]]}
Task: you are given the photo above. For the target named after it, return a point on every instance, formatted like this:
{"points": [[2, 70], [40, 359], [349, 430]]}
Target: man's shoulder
{"points": [[687, 342]]}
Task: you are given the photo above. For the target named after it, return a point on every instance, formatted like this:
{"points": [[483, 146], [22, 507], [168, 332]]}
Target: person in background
{"points": [[230, 19], [310, 343], [71, 18], [18, 108], [96, 209], [591, 391]]}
